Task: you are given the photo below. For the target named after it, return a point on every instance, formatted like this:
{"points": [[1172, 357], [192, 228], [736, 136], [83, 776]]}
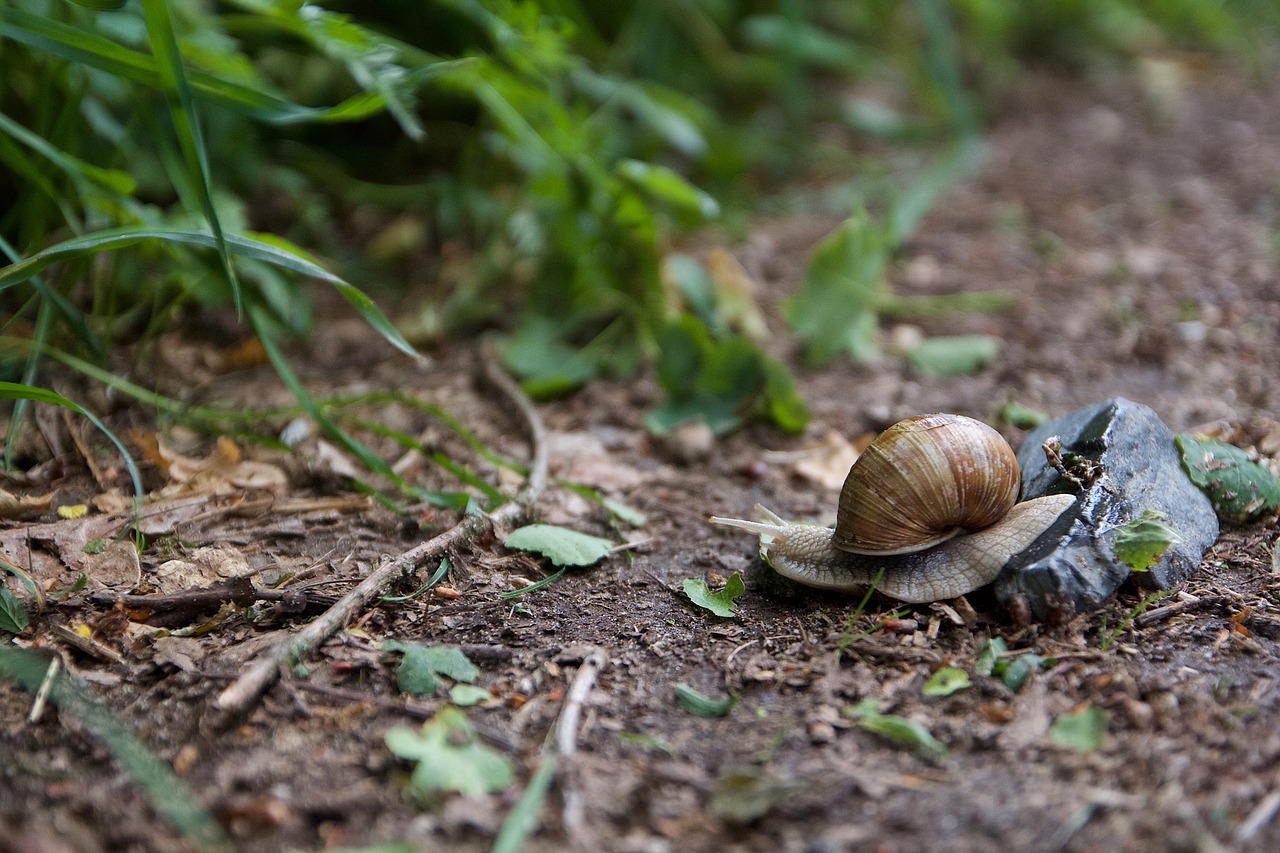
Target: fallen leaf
{"points": [[450, 758], [223, 470], [829, 463], [1084, 730], [422, 667], [720, 603], [560, 545], [701, 705]]}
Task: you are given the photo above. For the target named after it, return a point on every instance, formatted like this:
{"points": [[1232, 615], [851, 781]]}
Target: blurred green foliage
{"points": [[518, 166]]}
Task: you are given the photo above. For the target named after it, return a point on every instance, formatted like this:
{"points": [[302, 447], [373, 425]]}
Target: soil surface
{"points": [[1138, 226]]}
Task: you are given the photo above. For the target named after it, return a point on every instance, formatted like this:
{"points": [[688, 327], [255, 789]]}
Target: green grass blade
{"points": [[271, 250], [101, 5], [168, 794], [522, 820], [261, 323], [94, 51], [186, 123], [16, 391], [112, 179]]}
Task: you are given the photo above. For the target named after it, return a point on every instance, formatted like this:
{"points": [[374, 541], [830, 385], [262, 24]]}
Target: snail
{"points": [[932, 503]]}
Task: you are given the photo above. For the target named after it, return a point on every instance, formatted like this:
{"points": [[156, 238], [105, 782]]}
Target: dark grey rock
{"points": [[1073, 568]]}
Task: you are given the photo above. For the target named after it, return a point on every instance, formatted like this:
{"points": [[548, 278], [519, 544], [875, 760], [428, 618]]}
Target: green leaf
{"points": [[702, 705], [991, 654], [835, 309], [1014, 672], [1241, 490], [899, 731], [466, 695], [13, 614], [1084, 730], [182, 110], [668, 186], [560, 545], [946, 681], [720, 603], [450, 758], [625, 512], [719, 380], [1142, 542], [745, 794], [95, 546], [1020, 416], [954, 355], [420, 670]]}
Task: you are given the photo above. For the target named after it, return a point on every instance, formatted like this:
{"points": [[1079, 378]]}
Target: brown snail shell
{"points": [[922, 481]]}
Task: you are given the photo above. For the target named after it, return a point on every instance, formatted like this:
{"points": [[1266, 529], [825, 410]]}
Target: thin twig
{"points": [[1261, 815], [42, 695], [1162, 613], [567, 735], [260, 674], [583, 682], [183, 606]]}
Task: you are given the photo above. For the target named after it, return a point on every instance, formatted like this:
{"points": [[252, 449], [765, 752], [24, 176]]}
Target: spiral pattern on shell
{"points": [[922, 481]]}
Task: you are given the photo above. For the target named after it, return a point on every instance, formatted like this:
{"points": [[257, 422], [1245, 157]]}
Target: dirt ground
{"points": [[1140, 231]]}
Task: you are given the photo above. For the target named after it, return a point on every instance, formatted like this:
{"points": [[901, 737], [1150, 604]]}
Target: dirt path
{"points": [[1142, 237]]}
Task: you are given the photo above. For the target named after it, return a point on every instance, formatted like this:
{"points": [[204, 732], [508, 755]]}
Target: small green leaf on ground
{"points": [[946, 681], [1015, 671], [560, 545], [720, 603], [1142, 542], [835, 309], [1241, 490], [13, 615], [625, 513], [95, 546], [990, 655], [702, 705], [748, 793], [450, 757], [1020, 416], [649, 742], [720, 380], [421, 670], [954, 355], [1084, 730], [466, 695], [899, 731]]}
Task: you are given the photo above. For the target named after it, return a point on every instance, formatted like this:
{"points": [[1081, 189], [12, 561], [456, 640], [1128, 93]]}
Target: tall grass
{"points": [[526, 166]]}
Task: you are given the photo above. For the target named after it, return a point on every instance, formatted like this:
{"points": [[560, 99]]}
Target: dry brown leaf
{"points": [[111, 502], [14, 506], [223, 470], [204, 567], [829, 463]]}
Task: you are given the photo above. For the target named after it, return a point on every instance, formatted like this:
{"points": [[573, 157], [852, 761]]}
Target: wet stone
{"points": [[1073, 567]]}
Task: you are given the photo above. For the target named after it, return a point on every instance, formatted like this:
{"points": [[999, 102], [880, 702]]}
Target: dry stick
{"points": [[1161, 613], [567, 731], [255, 680]]}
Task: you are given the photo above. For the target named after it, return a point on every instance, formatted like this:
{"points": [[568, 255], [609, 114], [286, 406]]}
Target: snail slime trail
{"points": [[932, 502]]}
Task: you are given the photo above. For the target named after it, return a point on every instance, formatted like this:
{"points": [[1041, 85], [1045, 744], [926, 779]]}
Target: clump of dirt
{"points": [[1140, 238]]}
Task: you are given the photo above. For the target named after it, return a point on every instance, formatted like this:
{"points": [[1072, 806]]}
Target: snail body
{"points": [[929, 509]]}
